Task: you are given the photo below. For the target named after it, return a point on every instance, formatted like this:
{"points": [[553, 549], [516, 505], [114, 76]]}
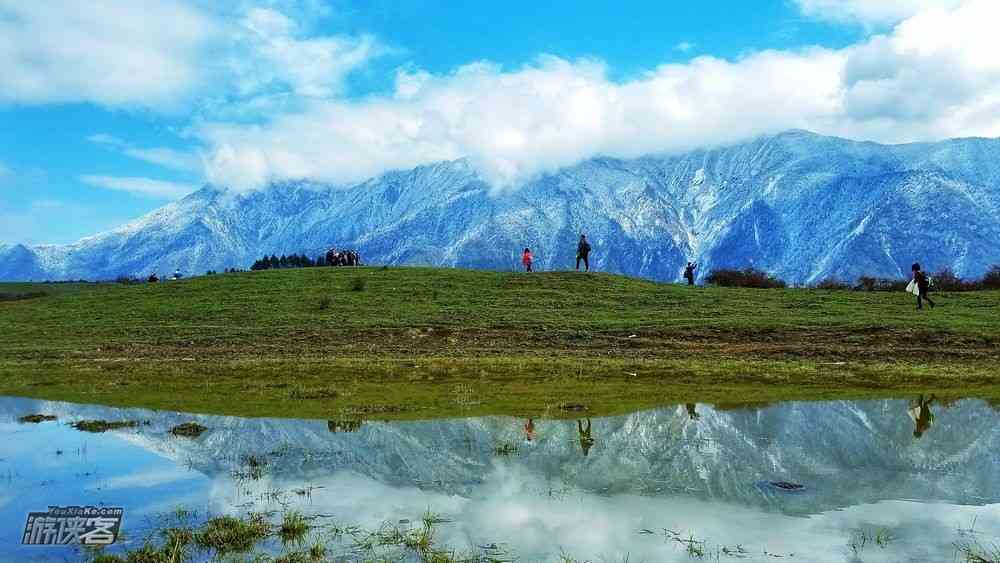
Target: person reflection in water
{"points": [[529, 430], [923, 418], [692, 413], [585, 440]]}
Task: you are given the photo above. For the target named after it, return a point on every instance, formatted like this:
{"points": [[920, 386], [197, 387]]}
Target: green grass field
{"points": [[415, 342]]}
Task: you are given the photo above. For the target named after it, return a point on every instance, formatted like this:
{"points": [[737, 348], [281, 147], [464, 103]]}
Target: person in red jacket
{"points": [[529, 430], [527, 258]]}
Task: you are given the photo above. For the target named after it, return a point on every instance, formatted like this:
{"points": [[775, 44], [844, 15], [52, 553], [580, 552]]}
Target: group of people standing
{"points": [[336, 257]]}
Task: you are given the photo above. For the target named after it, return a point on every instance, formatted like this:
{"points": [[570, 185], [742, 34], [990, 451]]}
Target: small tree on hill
{"points": [[992, 278], [748, 277]]}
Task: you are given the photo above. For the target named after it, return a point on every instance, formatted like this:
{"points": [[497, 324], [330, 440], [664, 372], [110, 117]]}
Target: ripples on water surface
{"points": [[800, 480]]}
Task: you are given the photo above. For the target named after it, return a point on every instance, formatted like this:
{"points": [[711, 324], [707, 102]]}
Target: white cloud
{"points": [[272, 54], [167, 55], [871, 12], [684, 46], [115, 52], [513, 125], [141, 186], [934, 76]]}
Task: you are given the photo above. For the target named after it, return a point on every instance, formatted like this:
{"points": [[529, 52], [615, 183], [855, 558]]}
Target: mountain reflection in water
{"points": [[797, 478]]}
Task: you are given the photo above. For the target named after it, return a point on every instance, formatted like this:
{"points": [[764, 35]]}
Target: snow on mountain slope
{"points": [[798, 204]]}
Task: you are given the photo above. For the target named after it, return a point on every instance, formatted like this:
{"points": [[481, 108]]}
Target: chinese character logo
{"points": [[66, 525]]}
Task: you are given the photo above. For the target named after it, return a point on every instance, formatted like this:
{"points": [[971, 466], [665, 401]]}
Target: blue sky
{"points": [[124, 113]]}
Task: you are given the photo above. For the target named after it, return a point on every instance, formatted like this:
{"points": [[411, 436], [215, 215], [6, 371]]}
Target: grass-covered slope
{"points": [[326, 341]]}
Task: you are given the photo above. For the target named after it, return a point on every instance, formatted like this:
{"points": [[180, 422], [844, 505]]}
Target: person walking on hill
{"points": [[689, 272], [583, 253], [923, 285], [527, 258]]}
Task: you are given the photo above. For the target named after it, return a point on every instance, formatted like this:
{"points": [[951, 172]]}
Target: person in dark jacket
{"points": [[583, 253], [586, 441], [920, 412], [923, 285], [689, 272]]}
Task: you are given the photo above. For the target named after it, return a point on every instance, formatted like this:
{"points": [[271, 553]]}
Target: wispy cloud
{"points": [[684, 46], [142, 186], [161, 156], [105, 139]]}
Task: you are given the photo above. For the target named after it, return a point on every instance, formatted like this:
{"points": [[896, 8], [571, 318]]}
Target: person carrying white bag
{"points": [[919, 286]]}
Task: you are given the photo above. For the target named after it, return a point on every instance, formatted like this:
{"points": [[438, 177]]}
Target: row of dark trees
{"points": [[274, 262]]}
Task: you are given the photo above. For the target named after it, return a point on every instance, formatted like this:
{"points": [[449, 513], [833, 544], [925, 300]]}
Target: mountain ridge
{"points": [[801, 205]]}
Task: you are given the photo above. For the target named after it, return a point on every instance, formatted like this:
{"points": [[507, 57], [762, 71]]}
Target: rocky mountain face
{"points": [[803, 206]]}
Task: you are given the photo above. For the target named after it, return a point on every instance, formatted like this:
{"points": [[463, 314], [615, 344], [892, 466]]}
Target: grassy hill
{"points": [[413, 342]]}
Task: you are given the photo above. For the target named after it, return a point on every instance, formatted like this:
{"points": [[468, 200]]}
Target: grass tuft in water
{"points": [[103, 425], [36, 418], [188, 430], [294, 527], [863, 537], [228, 534], [974, 552], [506, 448]]}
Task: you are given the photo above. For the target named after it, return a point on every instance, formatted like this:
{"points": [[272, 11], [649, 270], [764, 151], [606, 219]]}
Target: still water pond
{"points": [[888, 480]]}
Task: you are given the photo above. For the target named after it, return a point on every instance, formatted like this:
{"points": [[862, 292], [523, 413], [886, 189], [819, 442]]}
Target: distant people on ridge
{"points": [[153, 278], [583, 253], [692, 411], [689, 272], [920, 412], [586, 441], [527, 258], [336, 257], [923, 286]]}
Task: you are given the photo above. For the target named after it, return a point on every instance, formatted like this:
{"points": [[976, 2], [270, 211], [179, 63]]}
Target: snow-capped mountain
{"points": [[800, 205]]}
